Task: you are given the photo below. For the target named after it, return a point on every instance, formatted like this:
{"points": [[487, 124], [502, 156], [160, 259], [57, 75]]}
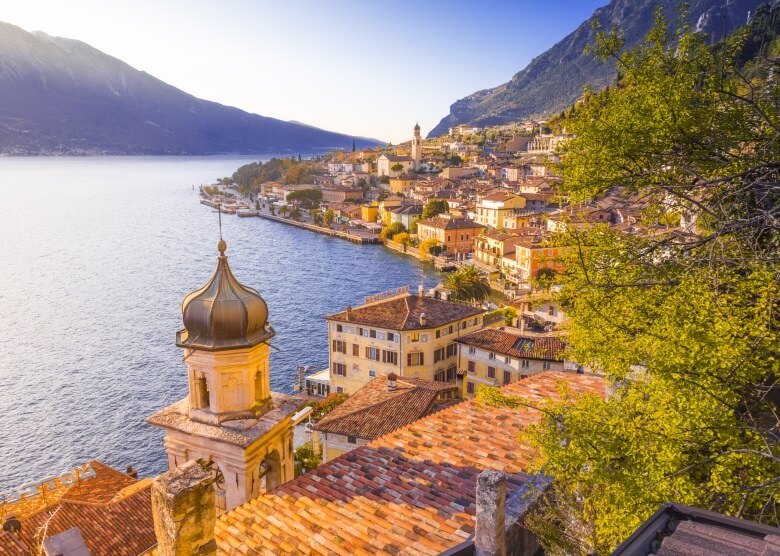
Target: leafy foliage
{"points": [[389, 232], [684, 321], [468, 284], [435, 207], [306, 198], [321, 408], [307, 457]]}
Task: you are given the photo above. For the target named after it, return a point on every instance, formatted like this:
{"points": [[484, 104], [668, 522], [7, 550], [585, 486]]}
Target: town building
{"points": [[378, 408], [385, 163], [407, 213], [455, 235], [496, 357], [491, 209], [336, 194], [230, 415], [412, 336], [533, 254], [93, 507]]}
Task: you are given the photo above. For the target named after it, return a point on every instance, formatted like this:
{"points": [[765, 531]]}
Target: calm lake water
{"points": [[97, 255]]}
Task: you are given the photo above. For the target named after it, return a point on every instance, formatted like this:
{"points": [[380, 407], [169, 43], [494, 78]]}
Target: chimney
{"points": [[423, 319], [490, 536], [349, 314], [184, 511], [391, 378], [130, 472]]}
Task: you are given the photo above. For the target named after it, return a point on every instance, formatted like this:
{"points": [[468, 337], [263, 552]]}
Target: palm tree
{"points": [[468, 284]]}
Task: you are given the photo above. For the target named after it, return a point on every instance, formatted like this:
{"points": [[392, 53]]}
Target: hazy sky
{"points": [[361, 67]]}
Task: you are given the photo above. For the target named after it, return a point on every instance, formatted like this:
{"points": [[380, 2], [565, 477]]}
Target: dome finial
{"points": [[222, 247]]}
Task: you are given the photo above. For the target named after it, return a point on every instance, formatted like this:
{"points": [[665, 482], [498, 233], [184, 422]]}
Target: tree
{"points": [[468, 284], [328, 217], [295, 213], [456, 160], [430, 247], [307, 457], [683, 323], [389, 232], [383, 178], [397, 167], [403, 238], [434, 207], [306, 198]]}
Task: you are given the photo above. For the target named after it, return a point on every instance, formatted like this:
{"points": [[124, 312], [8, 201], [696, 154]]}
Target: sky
{"points": [[361, 67]]}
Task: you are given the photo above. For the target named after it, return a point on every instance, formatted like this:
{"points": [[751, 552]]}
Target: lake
{"points": [[97, 255]]}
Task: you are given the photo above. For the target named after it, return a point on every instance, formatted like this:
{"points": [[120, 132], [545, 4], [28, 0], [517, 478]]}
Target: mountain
{"points": [[555, 79], [62, 96]]}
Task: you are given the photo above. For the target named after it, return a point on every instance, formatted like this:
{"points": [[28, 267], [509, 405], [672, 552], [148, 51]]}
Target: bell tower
{"points": [[416, 147], [230, 414]]}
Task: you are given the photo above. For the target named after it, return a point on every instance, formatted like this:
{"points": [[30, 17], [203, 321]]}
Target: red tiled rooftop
{"points": [[506, 343], [409, 492], [374, 410], [112, 511], [403, 313]]}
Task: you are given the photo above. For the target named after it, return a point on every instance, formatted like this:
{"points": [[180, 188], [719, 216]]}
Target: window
{"points": [[415, 337], [452, 373], [352, 439], [439, 376], [390, 337], [389, 357], [551, 310], [339, 328], [372, 333], [415, 359], [355, 350], [472, 366], [491, 372], [339, 390], [491, 355], [524, 363], [423, 337], [438, 334], [371, 373], [507, 377], [507, 360], [469, 387], [339, 346], [452, 350], [364, 332], [451, 329], [438, 355], [339, 369], [472, 350], [372, 353], [546, 365], [360, 331]]}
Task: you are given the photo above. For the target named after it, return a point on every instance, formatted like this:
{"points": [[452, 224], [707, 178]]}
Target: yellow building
{"points": [[230, 414], [492, 209], [385, 208], [409, 335], [401, 185], [494, 357], [369, 213]]}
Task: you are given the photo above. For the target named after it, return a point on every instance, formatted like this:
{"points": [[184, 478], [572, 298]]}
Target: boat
{"points": [[243, 213]]}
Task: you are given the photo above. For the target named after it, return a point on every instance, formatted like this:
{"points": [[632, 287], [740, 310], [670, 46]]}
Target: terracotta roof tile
{"points": [[409, 492], [403, 313], [506, 343], [112, 516], [374, 410]]}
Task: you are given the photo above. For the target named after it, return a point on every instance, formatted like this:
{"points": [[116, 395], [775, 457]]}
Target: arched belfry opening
{"points": [[202, 393]]}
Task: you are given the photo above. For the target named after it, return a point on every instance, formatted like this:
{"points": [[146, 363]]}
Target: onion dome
{"points": [[223, 314], [417, 127]]}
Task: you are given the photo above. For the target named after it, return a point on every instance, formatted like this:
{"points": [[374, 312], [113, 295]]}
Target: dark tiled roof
{"points": [[409, 492], [112, 511], [403, 313], [442, 222], [374, 410], [678, 530], [500, 341]]}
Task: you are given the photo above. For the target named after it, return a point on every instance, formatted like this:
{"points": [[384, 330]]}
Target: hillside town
{"points": [[596, 373]]}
